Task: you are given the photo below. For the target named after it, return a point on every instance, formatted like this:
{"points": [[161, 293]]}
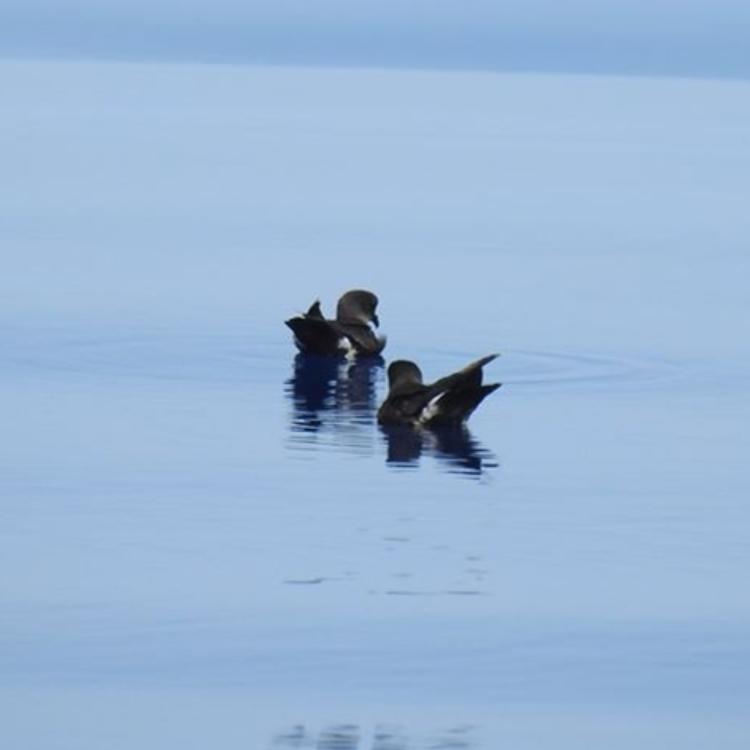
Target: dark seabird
{"points": [[448, 401], [349, 333]]}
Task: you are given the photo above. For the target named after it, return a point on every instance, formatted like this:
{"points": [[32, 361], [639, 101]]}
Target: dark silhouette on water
{"points": [[349, 333], [448, 401], [382, 737], [334, 398], [342, 388], [452, 445]]}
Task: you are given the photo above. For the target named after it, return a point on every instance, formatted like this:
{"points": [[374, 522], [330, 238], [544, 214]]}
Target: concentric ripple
{"points": [[222, 355], [552, 370], [144, 354]]}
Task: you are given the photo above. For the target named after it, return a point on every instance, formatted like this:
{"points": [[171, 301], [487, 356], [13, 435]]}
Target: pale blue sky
{"points": [[675, 37]]}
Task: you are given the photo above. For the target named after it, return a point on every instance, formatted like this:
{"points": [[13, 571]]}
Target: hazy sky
{"points": [[688, 37]]}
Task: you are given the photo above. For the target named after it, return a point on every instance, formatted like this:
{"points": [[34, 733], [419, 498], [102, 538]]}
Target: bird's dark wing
{"points": [[405, 405], [315, 311], [453, 398], [469, 377], [314, 335], [457, 404]]}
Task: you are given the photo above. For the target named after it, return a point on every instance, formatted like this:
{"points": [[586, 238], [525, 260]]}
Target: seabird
{"points": [[348, 333], [448, 401]]}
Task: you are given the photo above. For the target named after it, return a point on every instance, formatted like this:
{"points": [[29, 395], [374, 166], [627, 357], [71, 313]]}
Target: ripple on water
{"points": [[176, 355], [316, 384], [381, 737], [332, 402], [545, 370]]}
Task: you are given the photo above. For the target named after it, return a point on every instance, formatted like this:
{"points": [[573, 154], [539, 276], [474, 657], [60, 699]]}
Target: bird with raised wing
{"points": [[448, 401]]}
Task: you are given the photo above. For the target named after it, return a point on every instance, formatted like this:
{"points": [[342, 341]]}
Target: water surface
{"points": [[207, 539]]}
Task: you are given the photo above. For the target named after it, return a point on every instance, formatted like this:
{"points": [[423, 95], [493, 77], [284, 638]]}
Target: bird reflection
{"points": [[383, 737], [453, 446], [334, 404], [333, 393]]}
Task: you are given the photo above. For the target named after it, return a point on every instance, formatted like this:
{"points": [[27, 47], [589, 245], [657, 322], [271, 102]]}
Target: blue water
{"points": [[207, 540]]}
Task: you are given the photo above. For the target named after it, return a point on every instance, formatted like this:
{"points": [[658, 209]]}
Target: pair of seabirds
{"points": [[448, 401]]}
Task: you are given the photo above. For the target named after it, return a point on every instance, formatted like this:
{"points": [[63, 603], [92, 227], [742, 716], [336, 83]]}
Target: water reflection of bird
{"points": [[384, 737], [452, 445], [336, 387], [349, 333], [336, 397], [448, 401]]}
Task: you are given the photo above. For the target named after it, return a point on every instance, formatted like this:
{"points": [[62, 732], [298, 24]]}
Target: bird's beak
{"points": [[376, 321]]}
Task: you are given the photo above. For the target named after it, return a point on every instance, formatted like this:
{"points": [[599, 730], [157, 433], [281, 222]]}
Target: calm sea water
{"points": [[206, 539]]}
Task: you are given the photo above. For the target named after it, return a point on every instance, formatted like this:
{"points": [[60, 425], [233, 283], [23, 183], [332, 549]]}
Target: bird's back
{"points": [[314, 335]]}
